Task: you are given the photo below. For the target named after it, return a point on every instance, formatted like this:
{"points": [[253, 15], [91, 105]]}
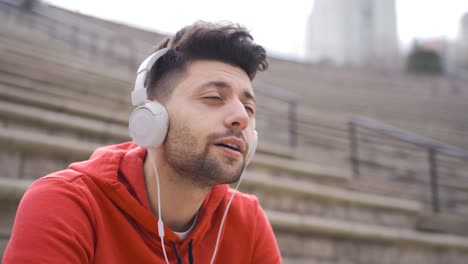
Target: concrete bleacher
{"points": [[57, 106], [430, 106]]}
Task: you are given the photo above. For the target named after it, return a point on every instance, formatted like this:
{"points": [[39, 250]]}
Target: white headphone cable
{"points": [[161, 224], [160, 221], [224, 218]]}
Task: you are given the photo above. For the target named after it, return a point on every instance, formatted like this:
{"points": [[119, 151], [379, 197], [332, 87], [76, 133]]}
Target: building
{"points": [[354, 33], [461, 44]]}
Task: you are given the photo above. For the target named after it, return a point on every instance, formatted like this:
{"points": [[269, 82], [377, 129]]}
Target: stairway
{"points": [[57, 106]]}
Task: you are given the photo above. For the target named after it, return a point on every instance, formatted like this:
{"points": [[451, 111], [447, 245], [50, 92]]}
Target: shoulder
{"points": [[248, 219], [61, 198], [243, 199], [57, 182], [246, 206], [58, 191], [54, 222]]}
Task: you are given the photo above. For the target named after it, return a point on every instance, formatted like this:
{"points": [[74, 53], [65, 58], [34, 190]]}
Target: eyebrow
{"points": [[250, 96], [224, 85]]}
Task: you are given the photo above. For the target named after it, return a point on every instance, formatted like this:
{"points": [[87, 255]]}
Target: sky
{"points": [[280, 26]]}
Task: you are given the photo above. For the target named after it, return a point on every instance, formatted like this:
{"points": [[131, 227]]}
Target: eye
{"points": [[213, 98], [250, 109]]}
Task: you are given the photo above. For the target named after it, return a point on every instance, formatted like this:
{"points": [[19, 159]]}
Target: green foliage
{"points": [[422, 61]]}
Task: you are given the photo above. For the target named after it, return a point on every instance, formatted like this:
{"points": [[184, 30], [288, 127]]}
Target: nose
{"points": [[238, 118]]}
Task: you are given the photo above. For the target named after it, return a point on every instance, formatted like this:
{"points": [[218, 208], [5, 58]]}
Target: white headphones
{"points": [[149, 122]]}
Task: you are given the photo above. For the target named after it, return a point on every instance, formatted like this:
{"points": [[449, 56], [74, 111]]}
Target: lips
{"points": [[231, 146], [232, 143]]}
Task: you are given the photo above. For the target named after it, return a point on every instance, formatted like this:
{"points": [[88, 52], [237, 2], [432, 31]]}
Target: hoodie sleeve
{"points": [[52, 225], [265, 246]]}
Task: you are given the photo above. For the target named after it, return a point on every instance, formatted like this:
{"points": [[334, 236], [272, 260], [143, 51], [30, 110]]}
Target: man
{"points": [[109, 209]]}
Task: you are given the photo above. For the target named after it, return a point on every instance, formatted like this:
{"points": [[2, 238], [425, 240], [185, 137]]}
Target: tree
{"points": [[424, 61]]}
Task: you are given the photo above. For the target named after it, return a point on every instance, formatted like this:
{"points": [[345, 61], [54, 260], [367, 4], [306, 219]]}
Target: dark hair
{"points": [[224, 42]]}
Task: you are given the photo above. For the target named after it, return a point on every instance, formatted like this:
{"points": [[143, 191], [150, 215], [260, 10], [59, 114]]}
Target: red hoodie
{"points": [[97, 211]]}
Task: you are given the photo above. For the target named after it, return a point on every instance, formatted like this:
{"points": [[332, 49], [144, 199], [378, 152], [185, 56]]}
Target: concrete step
{"points": [[452, 199], [35, 43], [57, 121], [299, 170], [311, 239], [20, 37], [326, 226], [44, 50], [70, 106], [11, 191], [327, 240], [308, 198], [89, 96], [63, 75], [30, 153], [45, 44]]}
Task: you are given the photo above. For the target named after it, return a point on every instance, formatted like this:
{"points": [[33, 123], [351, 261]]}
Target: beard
{"points": [[203, 168]]}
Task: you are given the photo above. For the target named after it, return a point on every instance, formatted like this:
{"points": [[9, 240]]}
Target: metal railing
{"points": [[266, 90], [433, 148]]}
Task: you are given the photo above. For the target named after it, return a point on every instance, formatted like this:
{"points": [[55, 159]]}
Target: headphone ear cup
{"points": [[253, 148], [148, 125]]}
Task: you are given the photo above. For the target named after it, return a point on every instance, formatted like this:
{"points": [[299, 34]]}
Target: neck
{"points": [[180, 198]]}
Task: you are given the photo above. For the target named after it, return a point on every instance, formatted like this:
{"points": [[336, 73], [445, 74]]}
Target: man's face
{"points": [[211, 117]]}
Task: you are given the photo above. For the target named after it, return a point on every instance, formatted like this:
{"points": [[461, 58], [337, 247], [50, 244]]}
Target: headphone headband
{"points": [[139, 94]]}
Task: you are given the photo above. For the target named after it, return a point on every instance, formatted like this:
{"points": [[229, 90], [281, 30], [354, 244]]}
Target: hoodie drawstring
{"points": [[190, 256], [190, 249], [179, 259]]}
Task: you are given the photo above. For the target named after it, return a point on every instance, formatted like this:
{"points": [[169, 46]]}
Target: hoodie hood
{"points": [[118, 171]]}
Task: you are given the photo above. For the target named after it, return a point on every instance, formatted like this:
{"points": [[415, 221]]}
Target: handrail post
{"points": [[434, 181], [93, 43], [74, 37], [353, 141], [52, 30], [110, 43], [292, 123]]}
